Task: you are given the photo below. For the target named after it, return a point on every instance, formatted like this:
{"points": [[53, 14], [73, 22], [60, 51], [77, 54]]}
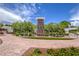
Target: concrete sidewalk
{"points": [[16, 46]]}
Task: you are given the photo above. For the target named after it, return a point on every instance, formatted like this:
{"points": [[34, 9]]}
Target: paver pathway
{"points": [[16, 46]]}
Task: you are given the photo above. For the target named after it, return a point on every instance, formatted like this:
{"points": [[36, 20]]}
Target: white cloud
{"points": [[75, 16], [8, 16], [26, 11], [21, 12]]}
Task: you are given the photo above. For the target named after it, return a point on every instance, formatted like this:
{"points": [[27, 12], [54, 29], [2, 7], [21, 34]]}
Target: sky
{"points": [[52, 12]]}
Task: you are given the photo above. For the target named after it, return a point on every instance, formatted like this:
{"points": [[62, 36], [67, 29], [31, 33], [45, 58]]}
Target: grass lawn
{"points": [[50, 38]]}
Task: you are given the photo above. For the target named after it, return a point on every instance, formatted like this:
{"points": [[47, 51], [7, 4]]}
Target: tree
{"points": [[23, 28], [53, 29], [1, 25], [64, 24], [49, 28]]}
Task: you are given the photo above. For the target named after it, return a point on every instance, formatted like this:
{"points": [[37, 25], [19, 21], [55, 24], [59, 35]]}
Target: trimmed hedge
{"points": [[50, 38]]}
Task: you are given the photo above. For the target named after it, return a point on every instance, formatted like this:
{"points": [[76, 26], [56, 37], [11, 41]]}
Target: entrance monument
{"points": [[40, 26]]}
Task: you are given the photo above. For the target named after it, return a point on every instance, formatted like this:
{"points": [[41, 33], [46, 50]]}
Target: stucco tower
{"points": [[40, 26]]}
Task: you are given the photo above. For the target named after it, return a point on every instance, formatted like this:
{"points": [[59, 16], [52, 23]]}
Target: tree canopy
{"points": [[23, 28], [51, 29]]}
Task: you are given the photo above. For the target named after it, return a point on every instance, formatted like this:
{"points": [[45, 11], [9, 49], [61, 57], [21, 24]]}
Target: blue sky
{"points": [[53, 12], [56, 12]]}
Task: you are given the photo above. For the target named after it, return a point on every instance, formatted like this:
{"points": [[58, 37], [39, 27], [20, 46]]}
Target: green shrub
{"points": [[36, 52], [71, 51], [63, 52], [17, 33], [50, 38]]}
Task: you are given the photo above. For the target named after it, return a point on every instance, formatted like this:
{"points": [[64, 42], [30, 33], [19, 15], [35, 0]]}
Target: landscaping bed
{"points": [[50, 38], [71, 51]]}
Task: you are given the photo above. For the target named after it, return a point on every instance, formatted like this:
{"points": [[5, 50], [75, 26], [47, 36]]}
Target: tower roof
{"points": [[40, 18]]}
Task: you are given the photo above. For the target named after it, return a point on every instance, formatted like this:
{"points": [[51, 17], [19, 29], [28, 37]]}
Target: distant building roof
{"points": [[9, 29], [67, 29]]}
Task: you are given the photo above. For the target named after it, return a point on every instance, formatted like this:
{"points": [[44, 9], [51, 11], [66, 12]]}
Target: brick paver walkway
{"points": [[16, 46]]}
